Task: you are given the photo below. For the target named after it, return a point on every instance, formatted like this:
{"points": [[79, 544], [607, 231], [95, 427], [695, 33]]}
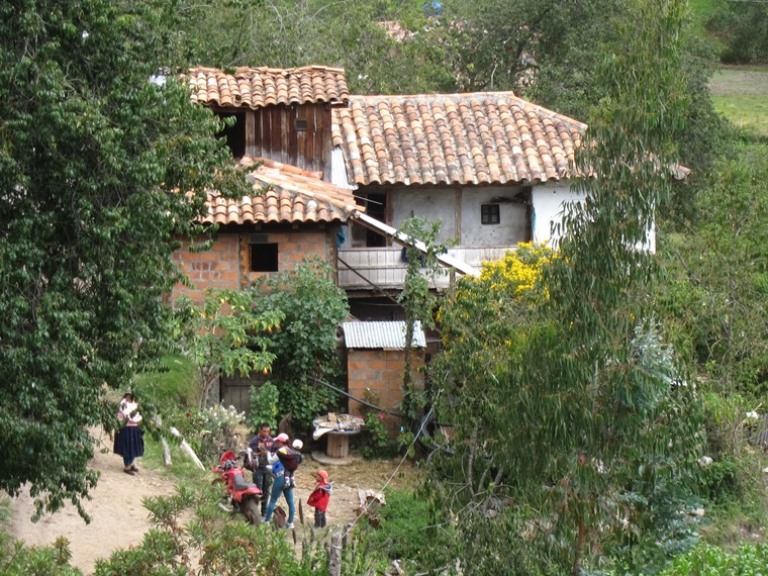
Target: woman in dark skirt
{"points": [[129, 440]]}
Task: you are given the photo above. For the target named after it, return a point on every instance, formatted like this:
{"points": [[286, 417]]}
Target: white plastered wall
{"points": [[549, 201], [441, 204]]}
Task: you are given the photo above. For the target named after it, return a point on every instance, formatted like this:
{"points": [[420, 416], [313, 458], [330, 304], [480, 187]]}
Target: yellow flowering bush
{"points": [[518, 275], [481, 323]]}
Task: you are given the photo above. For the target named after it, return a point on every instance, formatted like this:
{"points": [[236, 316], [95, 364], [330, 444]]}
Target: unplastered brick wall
{"points": [[294, 246], [217, 268], [227, 264], [381, 372]]}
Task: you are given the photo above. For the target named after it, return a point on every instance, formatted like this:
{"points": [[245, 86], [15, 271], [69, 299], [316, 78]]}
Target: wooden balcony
{"points": [[366, 268]]}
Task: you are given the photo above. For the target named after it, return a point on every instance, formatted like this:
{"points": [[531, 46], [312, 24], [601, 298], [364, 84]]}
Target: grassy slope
{"points": [[741, 95]]}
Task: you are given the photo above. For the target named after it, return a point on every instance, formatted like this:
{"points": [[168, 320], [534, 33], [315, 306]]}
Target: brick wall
{"points": [[293, 247], [217, 268], [227, 264], [381, 371]]}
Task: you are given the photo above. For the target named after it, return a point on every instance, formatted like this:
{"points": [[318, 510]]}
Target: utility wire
{"points": [[366, 505]]}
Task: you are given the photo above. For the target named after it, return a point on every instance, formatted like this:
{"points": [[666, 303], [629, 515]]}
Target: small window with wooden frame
{"points": [[489, 214]]}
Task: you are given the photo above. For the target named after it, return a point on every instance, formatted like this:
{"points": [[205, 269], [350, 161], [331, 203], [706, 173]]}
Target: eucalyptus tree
{"points": [[100, 169], [578, 444]]}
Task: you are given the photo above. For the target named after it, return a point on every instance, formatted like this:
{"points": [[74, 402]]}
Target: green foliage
{"points": [[312, 307], [226, 334], [287, 33], [707, 560], [742, 28], [171, 382], [222, 546], [93, 157], [715, 298], [418, 301], [483, 321], [584, 422], [18, 560], [411, 531], [375, 441], [210, 430], [263, 402]]}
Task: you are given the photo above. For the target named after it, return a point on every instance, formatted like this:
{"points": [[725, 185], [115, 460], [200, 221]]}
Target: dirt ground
{"points": [[119, 520]]}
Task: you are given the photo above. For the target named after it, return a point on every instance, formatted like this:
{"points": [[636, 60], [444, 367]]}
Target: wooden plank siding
{"points": [[271, 132]]}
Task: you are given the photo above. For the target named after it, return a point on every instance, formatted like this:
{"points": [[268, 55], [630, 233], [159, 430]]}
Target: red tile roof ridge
{"points": [[289, 168], [463, 96], [264, 69]]}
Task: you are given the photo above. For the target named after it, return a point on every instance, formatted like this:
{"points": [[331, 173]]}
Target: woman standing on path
{"points": [[129, 440]]}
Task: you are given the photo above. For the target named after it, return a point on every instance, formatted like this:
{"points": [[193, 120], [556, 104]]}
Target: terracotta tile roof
{"points": [[257, 87], [479, 138], [292, 196]]}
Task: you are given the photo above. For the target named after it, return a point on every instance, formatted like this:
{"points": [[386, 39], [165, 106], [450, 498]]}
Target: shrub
{"points": [[210, 431], [18, 560], [312, 306], [375, 441], [410, 530], [707, 560], [263, 405]]}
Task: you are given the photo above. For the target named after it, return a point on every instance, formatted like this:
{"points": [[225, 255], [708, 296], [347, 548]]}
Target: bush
{"points": [[18, 560], [210, 431], [305, 345], [707, 560], [222, 546], [374, 441], [411, 530], [172, 382], [263, 405]]}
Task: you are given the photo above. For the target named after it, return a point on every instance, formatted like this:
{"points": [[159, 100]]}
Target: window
{"points": [[263, 257], [234, 132], [489, 214]]}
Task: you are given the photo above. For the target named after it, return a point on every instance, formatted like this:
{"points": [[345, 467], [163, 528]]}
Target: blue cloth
{"points": [[279, 487], [263, 480], [129, 443]]}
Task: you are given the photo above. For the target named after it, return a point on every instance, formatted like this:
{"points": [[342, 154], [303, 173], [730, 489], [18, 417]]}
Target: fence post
{"points": [[334, 555]]}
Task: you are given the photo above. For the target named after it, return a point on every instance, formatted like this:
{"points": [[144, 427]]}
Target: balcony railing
{"points": [[366, 268]]}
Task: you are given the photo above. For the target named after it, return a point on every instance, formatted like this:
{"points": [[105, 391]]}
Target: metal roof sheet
{"points": [[386, 335]]}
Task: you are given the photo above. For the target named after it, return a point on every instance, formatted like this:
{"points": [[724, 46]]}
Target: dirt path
{"points": [[119, 519]]}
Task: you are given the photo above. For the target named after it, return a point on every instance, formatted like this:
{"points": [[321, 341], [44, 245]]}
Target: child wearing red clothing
{"points": [[320, 497]]}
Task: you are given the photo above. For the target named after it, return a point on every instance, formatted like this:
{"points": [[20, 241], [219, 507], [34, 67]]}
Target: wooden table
{"points": [[338, 443]]}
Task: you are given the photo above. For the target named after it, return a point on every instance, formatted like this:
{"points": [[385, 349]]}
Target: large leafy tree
{"points": [[381, 44], [577, 441], [305, 345], [100, 168]]}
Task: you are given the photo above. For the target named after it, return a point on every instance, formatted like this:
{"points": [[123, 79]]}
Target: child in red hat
{"points": [[320, 497]]}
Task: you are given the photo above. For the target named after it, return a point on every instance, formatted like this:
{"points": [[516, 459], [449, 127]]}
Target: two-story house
{"points": [[491, 167], [343, 172]]}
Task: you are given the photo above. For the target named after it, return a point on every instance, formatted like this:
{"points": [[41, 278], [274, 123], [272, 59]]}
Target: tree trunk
{"points": [[579, 548]]}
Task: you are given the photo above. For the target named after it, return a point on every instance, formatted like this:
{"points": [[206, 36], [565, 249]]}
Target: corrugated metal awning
{"points": [[386, 335]]}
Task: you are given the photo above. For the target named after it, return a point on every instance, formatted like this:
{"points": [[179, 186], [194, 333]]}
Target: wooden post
{"points": [[334, 555]]}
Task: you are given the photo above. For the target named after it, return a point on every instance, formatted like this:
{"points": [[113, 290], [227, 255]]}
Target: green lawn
{"points": [[741, 95]]}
